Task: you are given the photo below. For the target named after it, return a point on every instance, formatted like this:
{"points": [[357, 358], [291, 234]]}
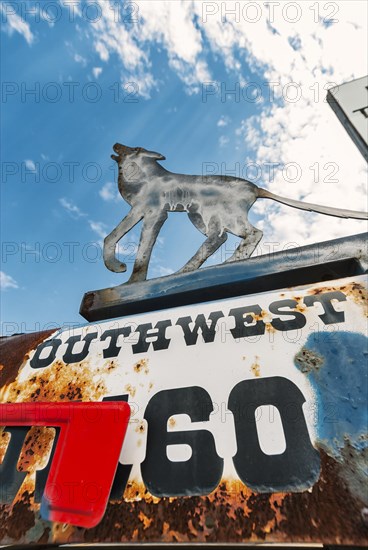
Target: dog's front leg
{"points": [[111, 262], [153, 221]]}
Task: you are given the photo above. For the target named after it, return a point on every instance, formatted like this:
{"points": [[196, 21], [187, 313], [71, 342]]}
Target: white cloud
{"points": [[102, 50], [166, 24], [15, 22], [30, 165], [109, 192], [80, 59], [128, 245], [300, 57], [96, 71], [171, 24], [74, 211], [99, 228], [191, 76], [162, 271], [6, 281], [112, 37], [223, 140], [305, 132], [223, 121]]}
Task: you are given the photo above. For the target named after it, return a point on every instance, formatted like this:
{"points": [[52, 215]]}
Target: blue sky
{"points": [[156, 75]]}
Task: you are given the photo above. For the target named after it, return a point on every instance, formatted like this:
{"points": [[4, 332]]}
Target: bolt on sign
{"points": [[245, 407]]}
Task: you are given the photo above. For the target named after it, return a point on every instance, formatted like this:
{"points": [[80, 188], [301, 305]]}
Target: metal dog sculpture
{"points": [[216, 205]]}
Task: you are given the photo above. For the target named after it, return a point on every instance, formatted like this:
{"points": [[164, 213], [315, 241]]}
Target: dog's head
{"points": [[133, 153]]}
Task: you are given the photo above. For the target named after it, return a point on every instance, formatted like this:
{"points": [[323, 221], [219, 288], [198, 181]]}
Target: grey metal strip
{"points": [[323, 261]]}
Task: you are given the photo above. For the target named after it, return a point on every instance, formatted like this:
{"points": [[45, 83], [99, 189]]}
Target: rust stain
{"points": [[145, 520], [27, 487], [62, 531], [136, 491], [360, 295], [140, 428], [45, 536], [4, 441], [232, 513], [59, 382], [36, 449], [111, 365], [16, 520], [142, 366], [256, 367], [171, 422], [14, 352], [130, 389], [356, 291], [261, 316], [300, 306], [308, 360]]}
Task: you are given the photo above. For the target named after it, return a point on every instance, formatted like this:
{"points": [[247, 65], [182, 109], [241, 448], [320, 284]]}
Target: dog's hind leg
{"points": [[251, 237], [216, 237], [150, 230]]}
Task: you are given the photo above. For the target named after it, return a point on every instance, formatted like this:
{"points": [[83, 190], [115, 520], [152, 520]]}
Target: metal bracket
{"points": [[323, 261]]}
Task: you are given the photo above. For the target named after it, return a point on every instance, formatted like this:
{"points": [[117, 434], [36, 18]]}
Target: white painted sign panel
{"points": [[350, 103], [243, 389]]}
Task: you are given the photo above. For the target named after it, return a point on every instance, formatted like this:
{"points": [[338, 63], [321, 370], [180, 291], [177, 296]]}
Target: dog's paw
{"points": [[114, 265]]}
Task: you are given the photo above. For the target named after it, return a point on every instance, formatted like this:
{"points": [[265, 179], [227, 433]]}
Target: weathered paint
{"points": [[340, 381], [327, 361]]}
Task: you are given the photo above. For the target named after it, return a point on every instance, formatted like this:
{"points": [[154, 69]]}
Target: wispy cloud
{"points": [[109, 192], [223, 140], [30, 165], [167, 25], [73, 210], [96, 71], [80, 59], [99, 228], [7, 281], [15, 23], [223, 121], [126, 248], [162, 271], [304, 132]]}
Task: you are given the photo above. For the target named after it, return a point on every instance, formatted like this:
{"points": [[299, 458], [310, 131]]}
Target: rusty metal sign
{"points": [[82, 470], [248, 418]]}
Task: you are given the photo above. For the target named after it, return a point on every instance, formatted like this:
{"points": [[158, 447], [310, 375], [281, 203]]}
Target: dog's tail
{"points": [[329, 211]]}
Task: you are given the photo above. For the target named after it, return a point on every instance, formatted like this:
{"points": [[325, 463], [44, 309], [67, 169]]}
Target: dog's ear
{"points": [[151, 154]]}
